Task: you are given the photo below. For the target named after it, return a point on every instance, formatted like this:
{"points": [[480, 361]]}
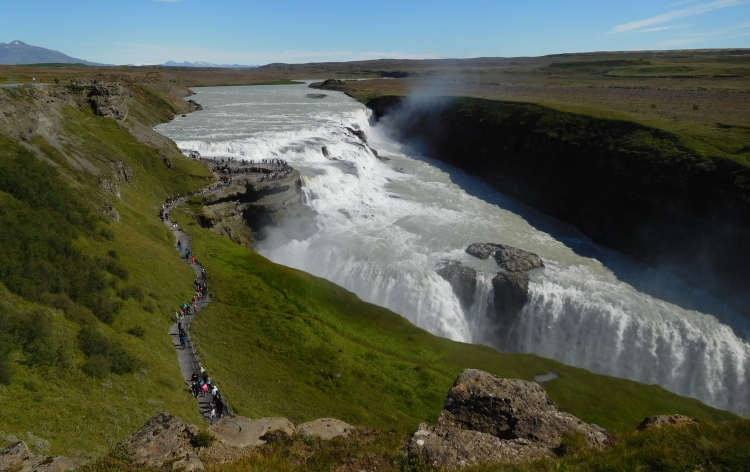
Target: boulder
{"points": [[325, 428], [197, 105], [509, 258], [17, 457], [510, 293], [492, 419], [238, 431], [660, 421], [463, 280], [14, 454], [164, 438], [483, 250], [326, 153], [108, 100], [517, 260]]}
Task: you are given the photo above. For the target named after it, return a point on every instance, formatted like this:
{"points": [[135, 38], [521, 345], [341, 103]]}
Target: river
{"points": [[385, 227]]}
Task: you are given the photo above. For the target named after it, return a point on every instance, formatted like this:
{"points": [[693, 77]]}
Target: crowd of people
{"points": [[200, 385]]}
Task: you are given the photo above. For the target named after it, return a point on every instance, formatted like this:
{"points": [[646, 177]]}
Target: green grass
{"points": [[705, 447], [274, 339], [71, 383]]}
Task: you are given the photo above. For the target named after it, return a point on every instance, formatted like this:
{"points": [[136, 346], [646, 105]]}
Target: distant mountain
{"points": [[18, 52], [205, 64]]}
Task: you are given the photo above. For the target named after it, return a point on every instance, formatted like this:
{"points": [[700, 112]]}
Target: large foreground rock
{"points": [[463, 280], [18, 457], [491, 419], [164, 438], [238, 431], [325, 428]]}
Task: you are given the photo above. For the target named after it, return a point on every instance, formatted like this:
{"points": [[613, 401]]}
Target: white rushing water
{"points": [[385, 227]]}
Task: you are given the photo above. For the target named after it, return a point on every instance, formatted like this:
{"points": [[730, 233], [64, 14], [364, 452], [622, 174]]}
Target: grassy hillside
{"points": [[85, 302], [283, 342]]}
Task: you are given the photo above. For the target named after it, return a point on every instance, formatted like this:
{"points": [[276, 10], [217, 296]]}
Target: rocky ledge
{"points": [[242, 210], [489, 419], [18, 458], [170, 444]]}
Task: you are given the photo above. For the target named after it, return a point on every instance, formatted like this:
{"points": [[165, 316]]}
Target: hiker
{"points": [[183, 340], [176, 316], [194, 377], [212, 415]]}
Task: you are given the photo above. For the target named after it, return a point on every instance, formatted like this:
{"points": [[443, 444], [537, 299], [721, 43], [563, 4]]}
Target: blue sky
{"points": [[255, 32]]}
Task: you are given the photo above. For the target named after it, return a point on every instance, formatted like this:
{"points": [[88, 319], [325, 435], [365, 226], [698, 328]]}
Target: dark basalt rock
{"points": [[507, 257], [325, 151], [517, 260], [358, 133], [489, 419], [197, 105], [483, 250], [463, 280], [510, 295]]}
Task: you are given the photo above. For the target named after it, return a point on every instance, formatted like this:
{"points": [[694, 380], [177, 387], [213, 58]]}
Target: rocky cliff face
{"points": [[636, 189], [246, 207]]}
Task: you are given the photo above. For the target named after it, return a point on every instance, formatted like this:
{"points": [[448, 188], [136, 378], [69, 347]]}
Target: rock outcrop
{"points": [[325, 151], [246, 207], [463, 280], [325, 428], [109, 100], [240, 432], [358, 133], [509, 258], [660, 421], [482, 250], [18, 458], [510, 288], [488, 419], [164, 440], [195, 104], [513, 259], [510, 292]]}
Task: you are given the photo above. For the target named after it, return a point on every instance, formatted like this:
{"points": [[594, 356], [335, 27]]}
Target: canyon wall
{"points": [[636, 189]]}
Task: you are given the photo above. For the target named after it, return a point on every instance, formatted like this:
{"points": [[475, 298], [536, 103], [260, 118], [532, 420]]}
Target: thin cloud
{"points": [[658, 28], [673, 15]]}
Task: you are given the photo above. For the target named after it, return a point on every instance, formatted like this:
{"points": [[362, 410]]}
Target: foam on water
{"points": [[384, 229]]}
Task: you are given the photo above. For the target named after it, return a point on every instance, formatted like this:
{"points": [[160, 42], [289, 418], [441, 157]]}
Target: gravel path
{"points": [[187, 356]]}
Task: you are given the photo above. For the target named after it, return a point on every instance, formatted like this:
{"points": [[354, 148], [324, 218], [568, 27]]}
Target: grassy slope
{"points": [[59, 409], [274, 338]]}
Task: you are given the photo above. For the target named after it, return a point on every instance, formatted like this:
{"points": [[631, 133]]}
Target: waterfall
{"points": [[384, 228]]}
